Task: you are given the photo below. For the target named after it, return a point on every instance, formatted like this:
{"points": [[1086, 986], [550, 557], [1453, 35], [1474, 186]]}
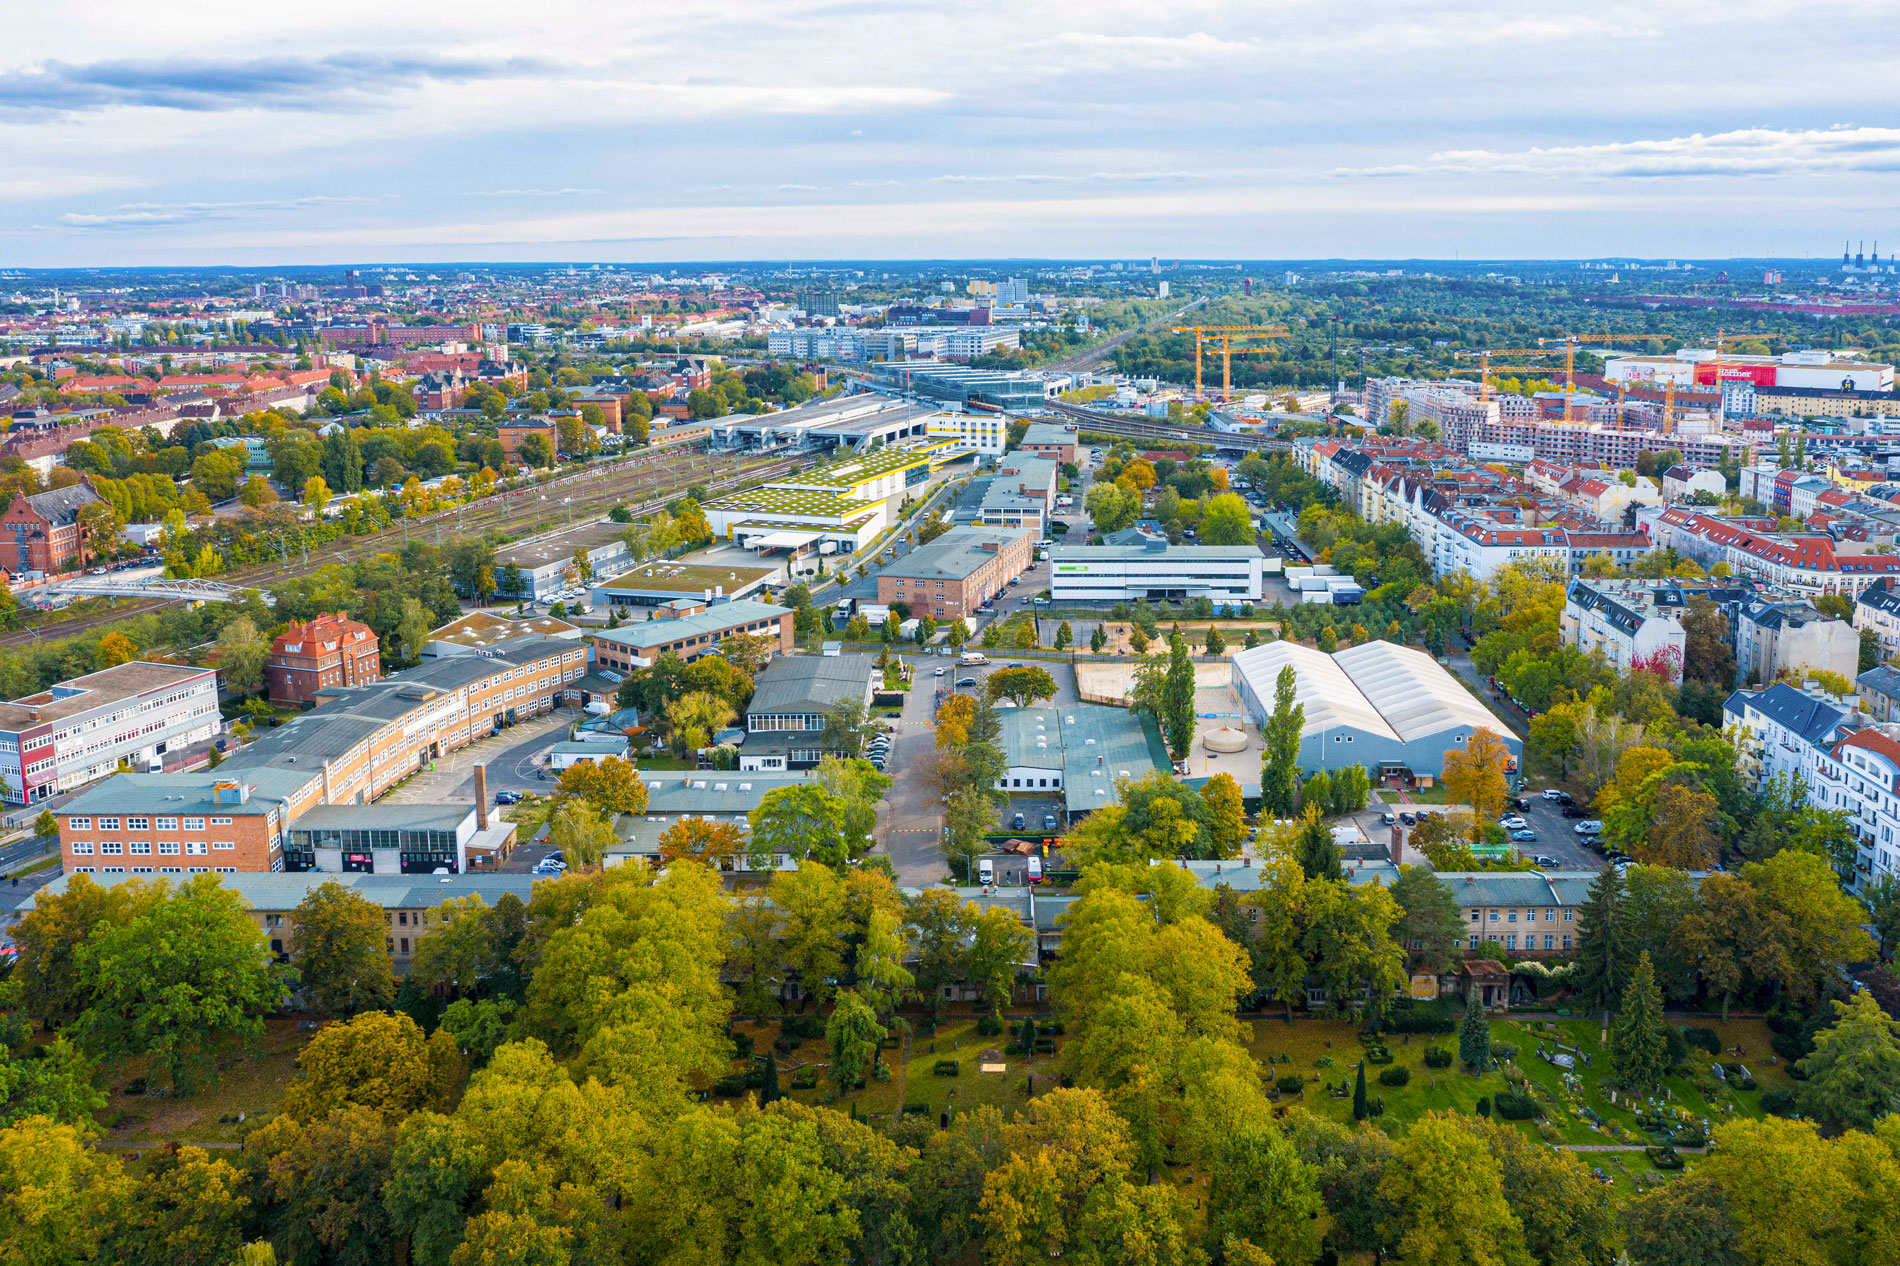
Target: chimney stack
{"points": [[1398, 844], [481, 797]]}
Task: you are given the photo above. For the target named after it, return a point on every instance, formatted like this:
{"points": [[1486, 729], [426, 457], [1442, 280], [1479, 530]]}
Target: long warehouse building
{"points": [[1390, 708]]}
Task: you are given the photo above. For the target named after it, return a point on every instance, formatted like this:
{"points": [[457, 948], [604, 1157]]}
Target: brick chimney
{"points": [[481, 798], [1398, 843]]}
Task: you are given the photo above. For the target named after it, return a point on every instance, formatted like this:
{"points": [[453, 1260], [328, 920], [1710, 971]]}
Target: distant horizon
{"points": [[1137, 265]]}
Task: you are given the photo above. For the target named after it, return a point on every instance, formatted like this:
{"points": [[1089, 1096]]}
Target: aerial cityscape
{"points": [[683, 639]]}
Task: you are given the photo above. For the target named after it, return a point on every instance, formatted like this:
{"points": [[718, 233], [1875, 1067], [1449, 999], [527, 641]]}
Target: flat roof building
{"points": [[1156, 571], [687, 627], [82, 730], [957, 573], [546, 565], [656, 583], [479, 630], [1083, 750], [1052, 440]]}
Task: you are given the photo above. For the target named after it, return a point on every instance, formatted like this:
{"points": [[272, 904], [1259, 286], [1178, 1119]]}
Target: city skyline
{"points": [[809, 131]]}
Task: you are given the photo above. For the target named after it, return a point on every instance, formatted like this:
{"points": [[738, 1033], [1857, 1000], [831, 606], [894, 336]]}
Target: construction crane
{"points": [[1570, 343], [1485, 366], [1226, 336]]}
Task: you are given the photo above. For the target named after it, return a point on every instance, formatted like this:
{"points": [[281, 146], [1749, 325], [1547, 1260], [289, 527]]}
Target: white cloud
{"points": [[1745, 152], [134, 215]]}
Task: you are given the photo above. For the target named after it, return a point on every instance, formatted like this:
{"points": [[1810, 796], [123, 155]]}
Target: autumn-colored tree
{"points": [[378, 1060], [1449, 1190], [116, 648], [1475, 775], [1681, 829], [581, 832], [1226, 815], [705, 840], [611, 785]]}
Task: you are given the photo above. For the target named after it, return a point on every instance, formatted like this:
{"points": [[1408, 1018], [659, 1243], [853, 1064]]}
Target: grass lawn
{"points": [[251, 1086], [1306, 1047], [956, 1038]]}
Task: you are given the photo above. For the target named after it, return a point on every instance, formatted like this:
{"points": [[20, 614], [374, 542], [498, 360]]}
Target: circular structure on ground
{"points": [[1225, 739]]}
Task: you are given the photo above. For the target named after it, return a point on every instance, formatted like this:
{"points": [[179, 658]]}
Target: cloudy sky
{"points": [[139, 133]]}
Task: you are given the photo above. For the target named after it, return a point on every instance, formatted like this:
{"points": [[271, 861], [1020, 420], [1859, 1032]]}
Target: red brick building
{"points": [[41, 533], [308, 658], [957, 573], [512, 433]]}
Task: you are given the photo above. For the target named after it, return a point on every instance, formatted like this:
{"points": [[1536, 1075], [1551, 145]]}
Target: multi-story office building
{"points": [[690, 628], [958, 572], [82, 730], [786, 718], [357, 743], [331, 650], [1155, 570]]}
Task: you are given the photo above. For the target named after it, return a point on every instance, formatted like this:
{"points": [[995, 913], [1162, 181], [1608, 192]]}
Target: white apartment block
{"points": [[1626, 620]]}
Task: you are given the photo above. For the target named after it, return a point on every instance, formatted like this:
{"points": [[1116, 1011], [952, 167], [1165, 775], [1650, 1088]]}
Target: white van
{"points": [[975, 657], [986, 872]]}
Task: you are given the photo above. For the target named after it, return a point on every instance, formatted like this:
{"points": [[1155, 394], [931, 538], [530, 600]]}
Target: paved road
{"points": [[911, 831]]}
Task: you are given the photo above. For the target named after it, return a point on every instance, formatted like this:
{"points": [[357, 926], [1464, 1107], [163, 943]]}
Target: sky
{"points": [[213, 133]]}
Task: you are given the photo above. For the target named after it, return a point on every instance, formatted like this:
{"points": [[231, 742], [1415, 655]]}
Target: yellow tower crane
{"points": [[1232, 339], [1485, 366], [1570, 343]]}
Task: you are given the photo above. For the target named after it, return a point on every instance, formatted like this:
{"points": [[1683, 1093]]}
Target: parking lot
{"points": [[1556, 835]]}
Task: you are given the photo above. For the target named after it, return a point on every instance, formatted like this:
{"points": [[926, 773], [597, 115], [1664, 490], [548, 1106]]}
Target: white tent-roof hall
{"points": [[1379, 705]]}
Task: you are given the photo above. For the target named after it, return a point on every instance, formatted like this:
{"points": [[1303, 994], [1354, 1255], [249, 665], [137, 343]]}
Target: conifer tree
{"points": [[1474, 1035], [1359, 1094], [1604, 947], [1639, 1043]]}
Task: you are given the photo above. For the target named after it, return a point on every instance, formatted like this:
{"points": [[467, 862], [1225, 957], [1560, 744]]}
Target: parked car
{"points": [[507, 797], [1390, 819], [1512, 822], [1524, 836], [1589, 827], [1551, 793], [1018, 822], [1545, 860], [1408, 819], [966, 682], [1575, 811], [938, 673]]}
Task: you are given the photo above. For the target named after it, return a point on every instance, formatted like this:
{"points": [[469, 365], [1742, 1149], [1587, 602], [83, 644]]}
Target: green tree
{"points": [[60, 1198], [580, 831], [1065, 636], [1225, 520], [1852, 1077], [1098, 640], [1449, 1190], [321, 1186], [338, 945], [182, 980], [1280, 768], [1639, 1045], [1359, 1093], [1021, 686], [1000, 946], [812, 924], [1260, 1191], [1328, 640], [1682, 1223], [803, 822], [1605, 951], [1318, 855], [1432, 926], [1226, 815], [853, 1034], [242, 651], [1177, 699], [459, 949], [1474, 1032], [1883, 903]]}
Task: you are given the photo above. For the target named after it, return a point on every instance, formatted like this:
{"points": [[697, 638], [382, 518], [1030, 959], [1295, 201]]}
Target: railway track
{"points": [[1142, 429], [645, 486]]}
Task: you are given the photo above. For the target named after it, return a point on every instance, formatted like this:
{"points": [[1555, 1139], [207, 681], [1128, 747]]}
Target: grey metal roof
{"points": [[283, 891], [1031, 738], [1099, 746], [1050, 433], [355, 713], [713, 791], [386, 815], [188, 793], [810, 683], [956, 554], [61, 506], [713, 620]]}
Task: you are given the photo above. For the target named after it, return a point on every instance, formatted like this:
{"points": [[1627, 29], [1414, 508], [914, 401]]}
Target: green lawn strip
{"points": [[956, 1038]]}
